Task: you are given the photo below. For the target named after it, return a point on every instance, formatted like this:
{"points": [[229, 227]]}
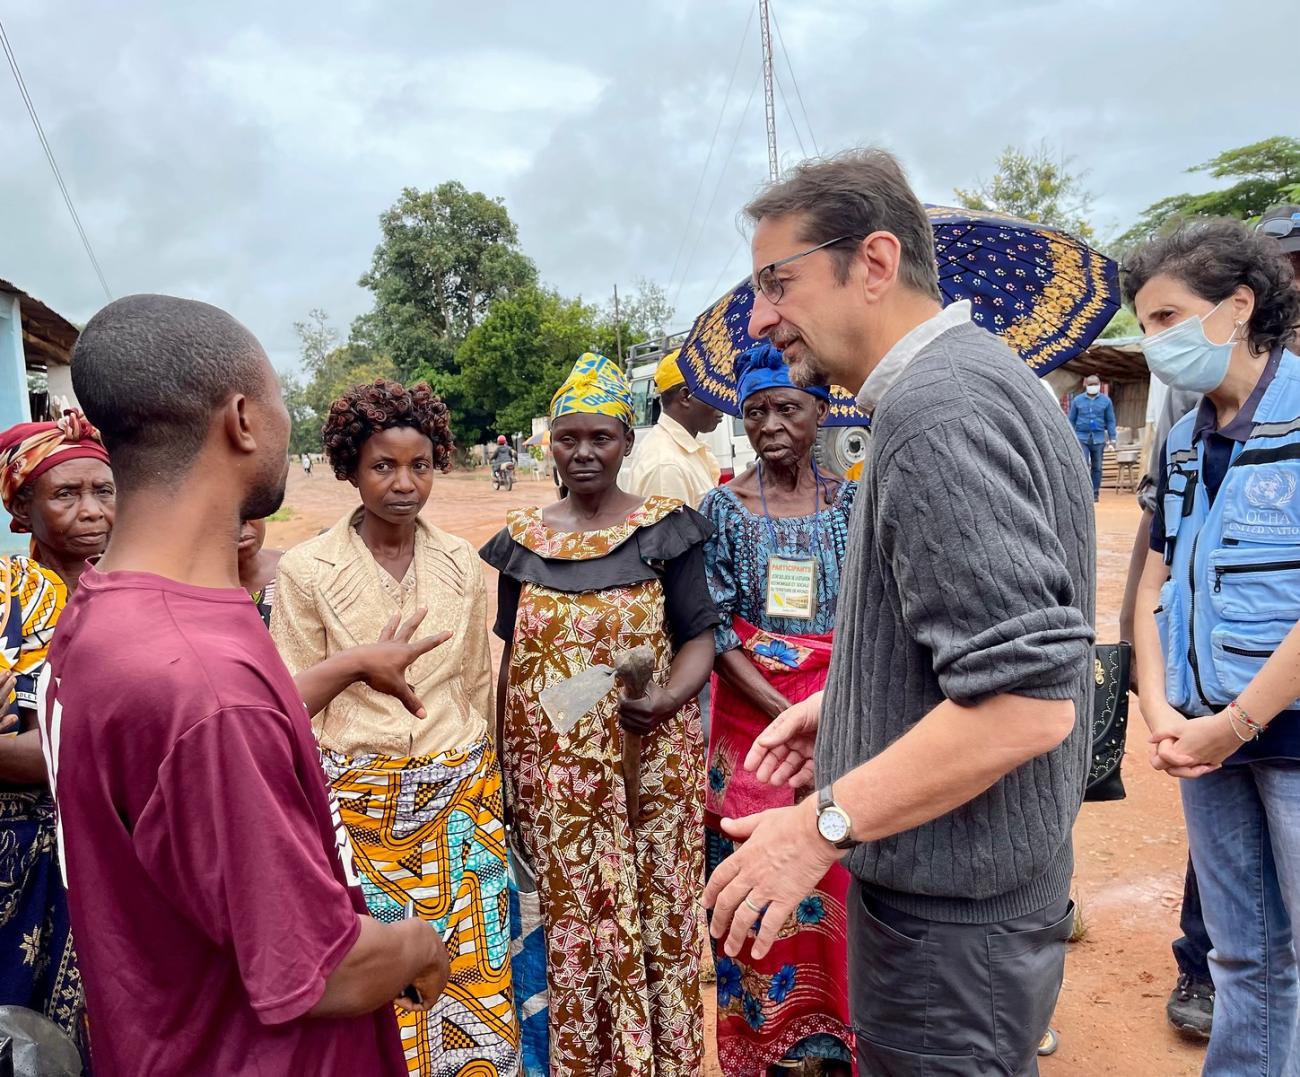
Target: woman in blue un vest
{"points": [[1219, 606]]}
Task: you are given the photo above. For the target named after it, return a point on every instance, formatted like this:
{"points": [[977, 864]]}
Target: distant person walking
{"points": [[306, 464], [1093, 417]]}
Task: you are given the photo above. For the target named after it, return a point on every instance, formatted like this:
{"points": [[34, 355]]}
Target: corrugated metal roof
{"points": [[47, 335]]}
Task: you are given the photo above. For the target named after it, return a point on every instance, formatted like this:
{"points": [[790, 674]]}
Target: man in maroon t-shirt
{"points": [[217, 925]]}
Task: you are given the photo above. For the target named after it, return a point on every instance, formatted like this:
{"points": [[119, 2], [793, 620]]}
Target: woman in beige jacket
{"points": [[420, 795]]}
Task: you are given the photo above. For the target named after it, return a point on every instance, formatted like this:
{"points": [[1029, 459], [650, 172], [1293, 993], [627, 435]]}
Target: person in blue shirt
{"points": [[1217, 614], [1093, 417]]}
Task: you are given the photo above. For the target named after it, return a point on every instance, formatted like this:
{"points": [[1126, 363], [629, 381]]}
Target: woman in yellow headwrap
{"points": [[580, 581]]}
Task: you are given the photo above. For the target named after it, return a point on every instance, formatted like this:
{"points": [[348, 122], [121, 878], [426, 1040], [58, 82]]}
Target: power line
{"points": [[704, 172], [789, 67], [49, 156], [718, 186], [713, 288]]}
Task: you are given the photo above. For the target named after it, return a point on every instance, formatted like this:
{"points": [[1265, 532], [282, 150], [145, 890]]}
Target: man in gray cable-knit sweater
{"points": [[950, 745]]}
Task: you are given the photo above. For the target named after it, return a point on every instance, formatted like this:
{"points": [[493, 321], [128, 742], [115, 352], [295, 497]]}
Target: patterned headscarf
{"points": [[28, 450], [595, 386], [764, 367]]}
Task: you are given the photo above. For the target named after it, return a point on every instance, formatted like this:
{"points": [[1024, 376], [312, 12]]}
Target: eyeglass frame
{"points": [[772, 267]]}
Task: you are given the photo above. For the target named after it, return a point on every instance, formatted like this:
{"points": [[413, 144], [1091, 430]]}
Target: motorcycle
{"points": [[503, 475]]}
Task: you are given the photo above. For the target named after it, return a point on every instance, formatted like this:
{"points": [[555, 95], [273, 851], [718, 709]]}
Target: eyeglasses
{"points": [[772, 287], [1279, 227]]}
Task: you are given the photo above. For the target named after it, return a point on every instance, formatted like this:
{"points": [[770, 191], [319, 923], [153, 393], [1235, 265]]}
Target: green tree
{"points": [[341, 369], [646, 312], [330, 370], [515, 359], [1036, 185], [1124, 324], [305, 427], [643, 314], [1264, 174], [444, 256]]}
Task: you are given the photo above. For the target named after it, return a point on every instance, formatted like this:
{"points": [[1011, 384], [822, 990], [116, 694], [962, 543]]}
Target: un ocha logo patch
{"points": [[1270, 488]]}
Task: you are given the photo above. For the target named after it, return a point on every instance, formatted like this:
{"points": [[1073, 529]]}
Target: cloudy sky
{"points": [[241, 153]]}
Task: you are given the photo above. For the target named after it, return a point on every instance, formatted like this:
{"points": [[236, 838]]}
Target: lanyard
{"points": [[818, 483]]}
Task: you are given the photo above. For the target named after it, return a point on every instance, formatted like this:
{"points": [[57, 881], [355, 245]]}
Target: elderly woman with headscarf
{"points": [[581, 581], [780, 531], [56, 484]]}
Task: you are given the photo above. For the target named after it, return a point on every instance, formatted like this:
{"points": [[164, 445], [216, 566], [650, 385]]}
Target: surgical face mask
{"points": [[1092, 390], [1183, 357]]}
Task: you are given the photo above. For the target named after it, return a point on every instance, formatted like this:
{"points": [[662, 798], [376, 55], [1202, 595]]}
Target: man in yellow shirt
{"points": [[671, 460]]}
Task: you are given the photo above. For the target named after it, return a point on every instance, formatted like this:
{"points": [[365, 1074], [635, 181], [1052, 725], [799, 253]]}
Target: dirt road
{"points": [[1130, 853]]}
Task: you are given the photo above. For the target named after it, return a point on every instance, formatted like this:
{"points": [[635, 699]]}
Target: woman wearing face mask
{"points": [[1223, 579]]}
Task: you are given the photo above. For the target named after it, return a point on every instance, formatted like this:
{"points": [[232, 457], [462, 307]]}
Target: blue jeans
{"points": [[1092, 454], [1243, 827]]}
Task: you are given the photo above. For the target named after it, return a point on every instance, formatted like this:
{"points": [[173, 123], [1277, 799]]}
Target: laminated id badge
{"points": [[792, 587]]}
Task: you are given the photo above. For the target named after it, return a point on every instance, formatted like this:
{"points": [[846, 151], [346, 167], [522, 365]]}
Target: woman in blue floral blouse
{"points": [[774, 570]]}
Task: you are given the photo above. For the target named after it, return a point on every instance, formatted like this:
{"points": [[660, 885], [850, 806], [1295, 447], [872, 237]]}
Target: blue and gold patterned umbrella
{"points": [[1045, 293]]}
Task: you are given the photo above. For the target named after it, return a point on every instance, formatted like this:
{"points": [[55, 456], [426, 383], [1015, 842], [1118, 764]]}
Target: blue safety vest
{"points": [[1234, 587]]}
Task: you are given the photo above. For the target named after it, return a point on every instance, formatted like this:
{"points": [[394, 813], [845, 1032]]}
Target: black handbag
{"points": [[1111, 668]]}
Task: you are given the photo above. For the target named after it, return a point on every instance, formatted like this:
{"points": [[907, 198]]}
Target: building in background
{"points": [[35, 371]]}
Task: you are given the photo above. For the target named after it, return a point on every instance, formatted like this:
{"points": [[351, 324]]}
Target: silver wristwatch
{"points": [[833, 822]]}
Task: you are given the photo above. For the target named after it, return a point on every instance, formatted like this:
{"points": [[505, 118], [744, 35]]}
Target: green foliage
{"points": [[512, 363], [457, 304], [444, 256], [1266, 173], [304, 430], [283, 513], [642, 314], [1035, 185], [330, 371], [1124, 324]]}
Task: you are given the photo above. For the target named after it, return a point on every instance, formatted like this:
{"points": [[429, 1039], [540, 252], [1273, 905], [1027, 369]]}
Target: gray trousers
{"points": [[934, 999]]}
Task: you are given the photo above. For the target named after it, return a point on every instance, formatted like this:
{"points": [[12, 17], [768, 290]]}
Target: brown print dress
{"points": [[620, 903]]}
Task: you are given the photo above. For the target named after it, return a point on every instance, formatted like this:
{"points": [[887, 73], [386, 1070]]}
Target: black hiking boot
{"points": [[1191, 1007]]}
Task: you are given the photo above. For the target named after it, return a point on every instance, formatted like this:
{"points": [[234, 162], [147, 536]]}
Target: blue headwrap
{"points": [[763, 367]]}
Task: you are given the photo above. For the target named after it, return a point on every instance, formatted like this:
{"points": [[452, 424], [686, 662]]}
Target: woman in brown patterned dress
{"points": [[581, 581]]}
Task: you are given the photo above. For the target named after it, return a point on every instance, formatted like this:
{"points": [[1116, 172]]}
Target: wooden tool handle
{"points": [[634, 669]]}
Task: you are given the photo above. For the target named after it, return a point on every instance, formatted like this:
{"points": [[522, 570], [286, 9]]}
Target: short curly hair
{"points": [[364, 410], [1214, 257]]}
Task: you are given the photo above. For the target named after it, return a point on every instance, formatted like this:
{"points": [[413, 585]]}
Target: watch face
{"points": [[833, 825]]}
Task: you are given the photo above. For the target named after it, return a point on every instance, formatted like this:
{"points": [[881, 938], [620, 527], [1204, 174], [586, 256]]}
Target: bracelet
{"points": [[1232, 724], [1237, 715], [1245, 718]]}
